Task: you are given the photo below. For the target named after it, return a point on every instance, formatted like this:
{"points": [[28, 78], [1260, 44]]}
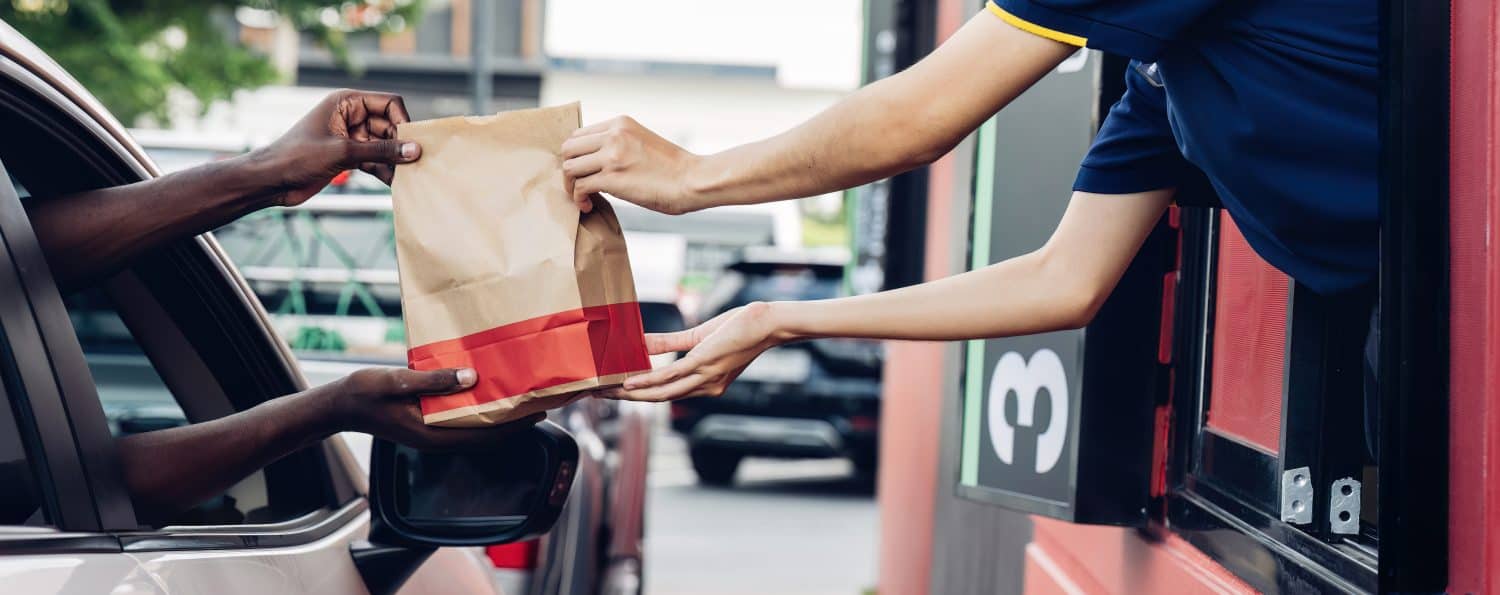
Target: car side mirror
{"points": [[511, 492]]}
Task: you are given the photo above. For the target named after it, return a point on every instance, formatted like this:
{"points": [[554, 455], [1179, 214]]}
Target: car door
{"points": [[180, 341]]}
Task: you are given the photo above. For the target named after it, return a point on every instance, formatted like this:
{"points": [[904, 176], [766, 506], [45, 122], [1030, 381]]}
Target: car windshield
{"points": [[745, 283], [789, 284], [660, 317]]}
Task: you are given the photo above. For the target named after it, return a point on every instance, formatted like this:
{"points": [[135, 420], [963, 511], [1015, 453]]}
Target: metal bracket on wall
{"points": [[1296, 496], [1343, 507]]}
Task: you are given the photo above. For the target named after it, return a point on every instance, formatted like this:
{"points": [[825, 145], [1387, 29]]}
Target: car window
{"points": [[788, 284], [745, 283], [661, 317], [136, 400]]}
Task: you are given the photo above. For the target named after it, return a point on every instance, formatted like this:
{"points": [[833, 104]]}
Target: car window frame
{"points": [[59, 354], [199, 259], [30, 388]]}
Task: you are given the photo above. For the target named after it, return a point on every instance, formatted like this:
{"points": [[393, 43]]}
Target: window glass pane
{"points": [[134, 397], [136, 400], [1250, 342]]}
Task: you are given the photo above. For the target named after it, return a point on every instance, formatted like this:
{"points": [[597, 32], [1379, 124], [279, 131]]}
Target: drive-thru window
{"points": [[1233, 418]]}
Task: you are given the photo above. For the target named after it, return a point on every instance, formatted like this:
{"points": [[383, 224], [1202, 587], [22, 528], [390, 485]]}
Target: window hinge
{"points": [[1296, 496], [1343, 507]]}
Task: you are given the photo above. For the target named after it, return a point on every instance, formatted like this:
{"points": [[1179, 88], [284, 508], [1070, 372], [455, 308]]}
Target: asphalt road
{"points": [[787, 527]]}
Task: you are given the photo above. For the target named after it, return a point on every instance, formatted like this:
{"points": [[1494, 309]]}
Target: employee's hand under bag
{"points": [[718, 351]]}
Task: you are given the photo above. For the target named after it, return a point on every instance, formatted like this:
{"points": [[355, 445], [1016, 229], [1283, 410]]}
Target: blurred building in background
{"points": [[429, 62]]}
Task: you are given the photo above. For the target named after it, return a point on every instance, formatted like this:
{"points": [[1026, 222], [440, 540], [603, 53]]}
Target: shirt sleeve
{"points": [[1137, 29], [1135, 150]]}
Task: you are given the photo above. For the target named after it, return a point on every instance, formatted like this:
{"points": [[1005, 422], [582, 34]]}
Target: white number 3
{"points": [[1026, 379]]}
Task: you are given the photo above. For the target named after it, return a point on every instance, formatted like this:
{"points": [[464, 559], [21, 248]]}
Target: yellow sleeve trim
{"points": [[1034, 28]]}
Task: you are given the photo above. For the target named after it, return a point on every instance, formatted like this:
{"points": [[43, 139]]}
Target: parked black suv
{"points": [[804, 400]]}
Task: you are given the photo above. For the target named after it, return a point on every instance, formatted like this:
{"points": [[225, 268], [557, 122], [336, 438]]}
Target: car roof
{"points": [[766, 269], [193, 141]]}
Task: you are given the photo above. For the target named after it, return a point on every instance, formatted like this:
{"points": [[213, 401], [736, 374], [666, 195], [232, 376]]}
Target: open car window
{"points": [[136, 400], [169, 341]]}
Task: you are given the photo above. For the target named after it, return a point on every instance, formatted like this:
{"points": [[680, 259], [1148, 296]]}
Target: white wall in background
{"points": [[702, 114], [811, 43], [255, 117]]}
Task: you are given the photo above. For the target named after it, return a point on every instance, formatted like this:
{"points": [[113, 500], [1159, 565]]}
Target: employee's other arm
{"points": [[896, 124], [1059, 286]]}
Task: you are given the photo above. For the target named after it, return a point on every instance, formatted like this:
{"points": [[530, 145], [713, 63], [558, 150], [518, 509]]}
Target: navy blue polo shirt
{"points": [[1274, 101]]}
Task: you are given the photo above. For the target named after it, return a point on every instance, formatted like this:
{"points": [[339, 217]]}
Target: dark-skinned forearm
{"points": [[92, 234], [168, 471]]}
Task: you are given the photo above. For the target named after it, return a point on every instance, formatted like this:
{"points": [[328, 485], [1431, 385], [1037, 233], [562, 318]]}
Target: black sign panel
{"points": [[1026, 420], [1055, 424]]}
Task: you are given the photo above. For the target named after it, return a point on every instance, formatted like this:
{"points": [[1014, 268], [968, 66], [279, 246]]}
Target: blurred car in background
{"points": [[804, 400]]}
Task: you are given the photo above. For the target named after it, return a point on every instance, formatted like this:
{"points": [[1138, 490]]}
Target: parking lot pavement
{"points": [[788, 527]]}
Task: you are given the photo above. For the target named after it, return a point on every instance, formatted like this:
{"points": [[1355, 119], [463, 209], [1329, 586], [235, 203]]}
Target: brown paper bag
{"points": [[500, 272]]}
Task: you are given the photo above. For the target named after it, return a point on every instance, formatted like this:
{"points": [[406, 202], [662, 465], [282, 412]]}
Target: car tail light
{"points": [[521, 555], [863, 423]]}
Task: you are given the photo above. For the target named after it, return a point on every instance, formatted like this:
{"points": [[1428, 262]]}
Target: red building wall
{"points": [[911, 408], [1474, 339], [1249, 353], [1064, 558]]}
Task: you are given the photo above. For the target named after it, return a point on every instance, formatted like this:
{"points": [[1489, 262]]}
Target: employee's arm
{"points": [[168, 471], [89, 235], [899, 123], [1059, 286]]}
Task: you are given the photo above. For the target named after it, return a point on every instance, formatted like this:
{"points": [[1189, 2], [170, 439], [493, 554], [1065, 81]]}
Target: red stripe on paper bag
{"points": [[538, 353]]}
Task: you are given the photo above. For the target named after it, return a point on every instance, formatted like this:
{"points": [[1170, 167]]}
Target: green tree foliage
{"points": [[131, 53]]}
